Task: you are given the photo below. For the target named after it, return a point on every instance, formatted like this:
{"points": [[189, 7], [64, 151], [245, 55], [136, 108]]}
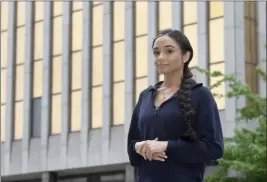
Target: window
{"points": [[76, 70], [38, 40], [141, 84], [97, 25], [36, 117], [97, 107], [141, 67], [56, 114], [141, 56], [190, 27], [118, 19], [218, 90], [97, 66], [20, 45], [216, 40], [191, 32], [118, 103], [250, 10], [3, 123], [141, 18], [56, 74], [118, 83], [39, 11], [3, 85], [118, 61], [216, 49], [20, 13], [57, 35], [76, 95], [37, 78], [77, 25], [4, 16], [251, 47], [18, 133], [3, 49], [216, 9], [96, 3], [189, 12], [165, 15], [77, 5], [76, 99], [19, 82], [57, 8]]}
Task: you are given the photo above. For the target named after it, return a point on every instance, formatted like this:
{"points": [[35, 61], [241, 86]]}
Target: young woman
{"points": [[175, 127]]}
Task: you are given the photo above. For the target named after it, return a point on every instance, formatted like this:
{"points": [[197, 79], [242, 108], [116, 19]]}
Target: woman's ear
{"points": [[186, 56]]}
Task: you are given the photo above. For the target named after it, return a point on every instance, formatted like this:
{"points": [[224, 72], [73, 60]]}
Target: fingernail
{"points": [[166, 157], [163, 160]]}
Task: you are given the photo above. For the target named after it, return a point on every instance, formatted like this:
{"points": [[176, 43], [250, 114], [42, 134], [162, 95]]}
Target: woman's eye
{"points": [[169, 51], [156, 52]]}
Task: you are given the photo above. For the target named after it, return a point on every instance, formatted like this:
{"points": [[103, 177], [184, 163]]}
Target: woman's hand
{"points": [[152, 149]]}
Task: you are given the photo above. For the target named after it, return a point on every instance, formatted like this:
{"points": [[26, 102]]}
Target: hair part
{"points": [[184, 94]]}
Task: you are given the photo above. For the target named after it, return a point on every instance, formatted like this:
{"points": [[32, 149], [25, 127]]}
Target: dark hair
{"points": [[184, 93]]}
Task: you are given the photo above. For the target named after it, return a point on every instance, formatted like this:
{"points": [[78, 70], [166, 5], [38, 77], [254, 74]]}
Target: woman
{"points": [[175, 127]]}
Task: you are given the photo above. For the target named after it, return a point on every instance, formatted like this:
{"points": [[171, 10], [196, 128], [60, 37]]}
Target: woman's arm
{"points": [[134, 136], [211, 145]]}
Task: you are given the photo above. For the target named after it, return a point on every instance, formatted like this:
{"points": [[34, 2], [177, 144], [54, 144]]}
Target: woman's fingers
{"points": [[158, 159], [143, 151], [140, 146], [149, 155], [159, 156], [162, 155]]}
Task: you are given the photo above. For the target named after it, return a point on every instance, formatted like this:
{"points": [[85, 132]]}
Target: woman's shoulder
{"points": [[202, 93]]}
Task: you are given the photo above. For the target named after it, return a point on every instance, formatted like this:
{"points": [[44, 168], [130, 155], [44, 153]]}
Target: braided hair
{"points": [[184, 93]]}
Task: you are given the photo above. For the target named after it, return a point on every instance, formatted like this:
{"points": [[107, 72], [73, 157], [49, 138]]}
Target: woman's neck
{"points": [[173, 80]]}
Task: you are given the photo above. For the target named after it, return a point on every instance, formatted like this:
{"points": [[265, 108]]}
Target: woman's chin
{"points": [[163, 71]]}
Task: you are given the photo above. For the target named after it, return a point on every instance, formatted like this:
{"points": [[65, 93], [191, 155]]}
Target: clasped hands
{"points": [[152, 149]]}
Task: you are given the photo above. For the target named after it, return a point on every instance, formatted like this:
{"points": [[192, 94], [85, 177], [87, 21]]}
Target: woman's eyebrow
{"points": [[165, 46]]}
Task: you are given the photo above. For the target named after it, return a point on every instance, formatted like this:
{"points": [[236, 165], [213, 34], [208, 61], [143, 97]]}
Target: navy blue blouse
{"points": [[186, 159]]}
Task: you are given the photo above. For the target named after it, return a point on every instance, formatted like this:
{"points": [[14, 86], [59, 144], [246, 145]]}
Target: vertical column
{"points": [[49, 177], [107, 79], [10, 88], [129, 66], [234, 52], [86, 78], [129, 173], [177, 23], [240, 48], [46, 98], [152, 33], [202, 34], [66, 78], [27, 84], [261, 19]]}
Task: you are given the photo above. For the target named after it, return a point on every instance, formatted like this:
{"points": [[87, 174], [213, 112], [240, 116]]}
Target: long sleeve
{"points": [[210, 144], [134, 136]]}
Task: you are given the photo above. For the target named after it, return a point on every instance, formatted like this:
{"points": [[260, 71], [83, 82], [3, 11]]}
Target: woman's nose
{"points": [[161, 56]]}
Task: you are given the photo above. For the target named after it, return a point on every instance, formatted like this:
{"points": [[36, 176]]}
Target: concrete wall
{"points": [[107, 146]]}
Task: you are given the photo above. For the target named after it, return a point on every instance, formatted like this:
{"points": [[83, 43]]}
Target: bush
{"points": [[245, 152]]}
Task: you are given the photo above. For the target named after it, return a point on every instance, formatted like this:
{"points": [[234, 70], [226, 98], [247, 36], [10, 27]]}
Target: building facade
{"points": [[71, 73]]}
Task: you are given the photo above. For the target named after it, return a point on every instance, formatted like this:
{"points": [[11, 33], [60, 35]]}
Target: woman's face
{"points": [[168, 55]]}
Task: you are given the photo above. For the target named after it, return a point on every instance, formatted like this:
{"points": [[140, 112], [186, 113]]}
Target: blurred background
{"points": [[71, 73]]}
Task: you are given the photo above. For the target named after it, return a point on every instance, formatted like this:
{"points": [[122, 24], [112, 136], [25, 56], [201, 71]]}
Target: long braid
{"points": [[184, 94], [184, 97]]}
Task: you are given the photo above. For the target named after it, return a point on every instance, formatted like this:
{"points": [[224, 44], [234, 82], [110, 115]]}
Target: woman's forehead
{"points": [[164, 41]]}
